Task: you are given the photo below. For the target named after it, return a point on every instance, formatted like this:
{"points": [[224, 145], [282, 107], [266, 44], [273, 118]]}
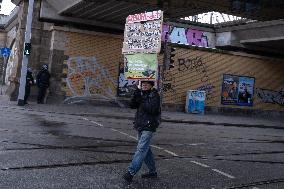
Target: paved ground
{"points": [[56, 146], [174, 117]]}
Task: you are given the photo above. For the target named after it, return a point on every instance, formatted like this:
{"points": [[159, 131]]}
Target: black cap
{"points": [[150, 82]]}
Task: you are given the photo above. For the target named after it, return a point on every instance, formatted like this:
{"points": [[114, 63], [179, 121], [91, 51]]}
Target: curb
{"points": [[188, 121], [166, 120]]}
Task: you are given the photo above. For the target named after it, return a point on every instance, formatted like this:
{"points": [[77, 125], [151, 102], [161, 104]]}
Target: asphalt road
{"points": [[51, 150]]}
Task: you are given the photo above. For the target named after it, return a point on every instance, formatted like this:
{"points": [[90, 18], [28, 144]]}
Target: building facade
{"points": [[87, 63]]}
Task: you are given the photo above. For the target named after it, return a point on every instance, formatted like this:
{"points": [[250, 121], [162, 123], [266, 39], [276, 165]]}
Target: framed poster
{"points": [[237, 90], [141, 66]]}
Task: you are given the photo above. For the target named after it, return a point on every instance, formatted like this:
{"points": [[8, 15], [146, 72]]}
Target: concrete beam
{"points": [[252, 25], [262, 40], [70, 6], [48, 13], [16, 2], [61, 6]]}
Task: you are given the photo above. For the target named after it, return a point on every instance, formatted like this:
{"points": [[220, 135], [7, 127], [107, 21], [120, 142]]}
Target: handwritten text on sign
{"points": [[142, 37], [155, 15]]}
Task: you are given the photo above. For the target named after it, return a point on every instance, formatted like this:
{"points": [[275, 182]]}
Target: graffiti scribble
{"points": [[86, 77], [269, 96]]}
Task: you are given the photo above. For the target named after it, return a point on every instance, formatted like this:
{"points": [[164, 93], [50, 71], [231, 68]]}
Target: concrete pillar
{"points": [[2, 44], [56, 59], [12, 90]]}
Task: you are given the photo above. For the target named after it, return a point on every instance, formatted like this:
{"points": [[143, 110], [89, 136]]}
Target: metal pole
{"points": [[164, 67], [25, 57]]}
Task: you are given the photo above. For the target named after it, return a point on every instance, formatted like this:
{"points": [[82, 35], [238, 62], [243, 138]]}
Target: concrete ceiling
{"points": [[275, 44], [116, 11], [272, 44]]}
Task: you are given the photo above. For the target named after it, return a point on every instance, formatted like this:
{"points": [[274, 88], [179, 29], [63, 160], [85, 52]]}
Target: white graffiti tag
{"points": [[86, 77]]}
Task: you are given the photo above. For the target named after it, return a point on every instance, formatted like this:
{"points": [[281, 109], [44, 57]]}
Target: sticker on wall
{"points": [[195, 101], [237, 90], [141, 66]]}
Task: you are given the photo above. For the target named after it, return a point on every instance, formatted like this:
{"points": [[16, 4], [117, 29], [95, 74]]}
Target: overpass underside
{"points": [[112, 13]]}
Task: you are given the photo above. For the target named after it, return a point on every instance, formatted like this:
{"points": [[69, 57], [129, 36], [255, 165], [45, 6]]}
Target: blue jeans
{"points": [[143, 153]]}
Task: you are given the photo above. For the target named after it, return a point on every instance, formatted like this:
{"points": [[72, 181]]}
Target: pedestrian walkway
{"points": [[126, 113]]}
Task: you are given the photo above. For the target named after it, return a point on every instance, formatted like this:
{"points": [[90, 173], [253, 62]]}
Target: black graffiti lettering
{"points": [[199, 61], [194, 64], [205, 78], [208, 89], [168, 87], [181, 65], [167, 83], [269, 96]]}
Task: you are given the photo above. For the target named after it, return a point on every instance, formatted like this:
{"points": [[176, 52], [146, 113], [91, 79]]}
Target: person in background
{"points": [[233, 92], [42, 81], [147, 118], [29, 83]]}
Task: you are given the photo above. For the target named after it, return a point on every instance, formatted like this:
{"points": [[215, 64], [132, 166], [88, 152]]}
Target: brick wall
{"points": [[92, 65], [205, 69]]}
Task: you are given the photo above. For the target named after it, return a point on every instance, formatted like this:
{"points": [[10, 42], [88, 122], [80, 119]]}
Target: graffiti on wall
{"points": [[125, 86], [168, 83], [189, 66], [269, 96], [188, 36], [86, 77], [194, 64], [197, 65], [12, 66], [208, 88]]}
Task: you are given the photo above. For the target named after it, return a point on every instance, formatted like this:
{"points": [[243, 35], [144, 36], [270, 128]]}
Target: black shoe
{"points": [[149, 175], [128, 177]]}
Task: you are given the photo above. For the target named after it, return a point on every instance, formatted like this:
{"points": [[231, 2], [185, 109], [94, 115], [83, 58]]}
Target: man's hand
{"points": [[136, 99], [138, 96]]}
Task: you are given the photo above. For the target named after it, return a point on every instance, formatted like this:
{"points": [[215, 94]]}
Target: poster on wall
{"points": [[237, 90], [195, 102], [126, 87], [245, 95], [141, 66], [143, 33]]}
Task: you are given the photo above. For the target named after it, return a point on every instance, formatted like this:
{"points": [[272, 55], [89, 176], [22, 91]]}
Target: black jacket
{"points": [[29, 79], [148, 115], [42, 79]]}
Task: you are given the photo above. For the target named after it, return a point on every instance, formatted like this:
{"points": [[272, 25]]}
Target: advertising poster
{"points": [[141, 66], [195, 101], [237, 90], [126, 87], [230, 90], [246, 85]]}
